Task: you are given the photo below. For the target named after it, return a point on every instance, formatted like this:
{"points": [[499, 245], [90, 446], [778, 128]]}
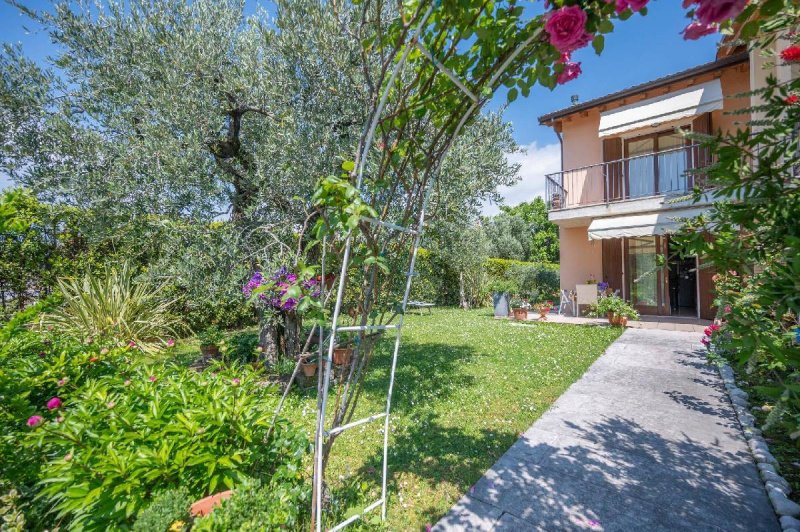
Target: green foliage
{"points": [[503, 286], [755, 248], [168, 506], [211, 335], [542, 234], [534, 281], [123, 436], [115, 308], [33, 369], [611, 304], [13, 519], [25, 317], [256, 507]]}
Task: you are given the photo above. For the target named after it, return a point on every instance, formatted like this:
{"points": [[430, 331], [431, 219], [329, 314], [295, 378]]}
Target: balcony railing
{"points": [[641, 176]]}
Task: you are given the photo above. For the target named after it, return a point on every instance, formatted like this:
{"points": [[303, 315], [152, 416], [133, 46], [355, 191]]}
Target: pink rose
{"points": [[695, 30], [570, 72], [54, 403], [152, 378], [634, 5], [34, 421], [567, 28], [711, 11]]}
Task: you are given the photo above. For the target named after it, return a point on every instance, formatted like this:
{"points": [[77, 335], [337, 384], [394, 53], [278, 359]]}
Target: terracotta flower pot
{"points": [[342, 355], [543, 313], [520, 314], [309, 368], [623, 321], [211, 350], [204, 506]]}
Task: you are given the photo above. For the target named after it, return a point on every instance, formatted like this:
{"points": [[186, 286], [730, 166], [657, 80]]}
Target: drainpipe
{"points": [[561, 142]]}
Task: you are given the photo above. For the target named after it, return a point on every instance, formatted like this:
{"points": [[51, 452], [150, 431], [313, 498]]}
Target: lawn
{"points": [[467, 386]]}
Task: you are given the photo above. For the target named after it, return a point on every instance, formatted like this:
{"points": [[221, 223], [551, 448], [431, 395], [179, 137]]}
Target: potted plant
{"points": [[555, 201], [308, 362], [501, 293], [616, 309], [210, 340], [342, 355], [519, 308], [543, 309]]}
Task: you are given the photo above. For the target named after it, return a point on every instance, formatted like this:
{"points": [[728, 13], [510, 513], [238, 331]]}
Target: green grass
{"points": [[467, 386]]}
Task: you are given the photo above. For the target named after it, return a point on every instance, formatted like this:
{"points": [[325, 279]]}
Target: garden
{"points": [[216, 228]]}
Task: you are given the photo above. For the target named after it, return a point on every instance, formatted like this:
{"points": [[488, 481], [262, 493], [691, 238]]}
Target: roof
{"points": [[730, 60]]}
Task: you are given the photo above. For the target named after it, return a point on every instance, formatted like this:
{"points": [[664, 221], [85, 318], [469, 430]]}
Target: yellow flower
{"points": [[177, 526]]}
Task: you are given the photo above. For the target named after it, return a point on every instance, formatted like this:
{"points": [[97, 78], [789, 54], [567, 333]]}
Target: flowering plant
{"points": [[284, 290]]}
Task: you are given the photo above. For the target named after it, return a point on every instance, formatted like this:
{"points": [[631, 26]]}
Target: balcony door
{"points": [[655, 164]]}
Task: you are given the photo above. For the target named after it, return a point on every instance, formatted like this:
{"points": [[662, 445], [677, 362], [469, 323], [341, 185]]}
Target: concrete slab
{"points": [[646, 439]]}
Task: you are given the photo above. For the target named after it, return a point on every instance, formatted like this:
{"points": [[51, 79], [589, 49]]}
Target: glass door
{"points": [[644, 277], [641, 169]]}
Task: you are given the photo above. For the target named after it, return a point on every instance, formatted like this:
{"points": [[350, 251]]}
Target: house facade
{"points": [[624, 181]]}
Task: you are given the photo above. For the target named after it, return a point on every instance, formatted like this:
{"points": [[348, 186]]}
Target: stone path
{"points": [[646, 440]]}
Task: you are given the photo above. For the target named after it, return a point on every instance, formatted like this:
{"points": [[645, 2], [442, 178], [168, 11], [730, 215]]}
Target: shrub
{"points": [[34, 369], [256, 508], [22, 318], [168, 507], [211, 335], [120, 437], [532, 280], [115, 308]]}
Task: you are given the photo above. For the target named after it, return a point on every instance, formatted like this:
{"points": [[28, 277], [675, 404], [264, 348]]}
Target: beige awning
{"points": [[685, 103], [641, 224]]}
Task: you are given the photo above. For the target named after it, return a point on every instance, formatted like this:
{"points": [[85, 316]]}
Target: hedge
{"points": [[437, 282]]}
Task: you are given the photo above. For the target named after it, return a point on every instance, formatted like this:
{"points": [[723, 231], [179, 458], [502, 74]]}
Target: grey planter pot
{"points": [[501, 307]]}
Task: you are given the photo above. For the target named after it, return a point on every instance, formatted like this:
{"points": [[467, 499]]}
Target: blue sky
{"points": [[640, 49]]}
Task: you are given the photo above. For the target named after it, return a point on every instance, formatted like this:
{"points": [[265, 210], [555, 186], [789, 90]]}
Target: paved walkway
{"points": [[646, 440], [647, 322]]}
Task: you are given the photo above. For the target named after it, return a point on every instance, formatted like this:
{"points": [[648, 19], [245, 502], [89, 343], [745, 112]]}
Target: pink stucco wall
{"points": [[580, 257]]}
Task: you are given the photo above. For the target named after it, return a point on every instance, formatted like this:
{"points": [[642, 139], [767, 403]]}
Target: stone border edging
{"points": [[777, 487]]}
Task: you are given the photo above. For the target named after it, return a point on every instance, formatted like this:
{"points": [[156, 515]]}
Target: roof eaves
{"points": [[659, 82]]}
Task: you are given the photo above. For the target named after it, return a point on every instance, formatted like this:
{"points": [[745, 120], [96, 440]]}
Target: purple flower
{"points": [[34, 421], [290, 304], [602, 286], [292, 278], [54, 403], [281, 272], [254, 282]]}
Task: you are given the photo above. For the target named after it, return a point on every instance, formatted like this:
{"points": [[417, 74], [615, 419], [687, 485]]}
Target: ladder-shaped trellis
{"points": [[414, 41]]}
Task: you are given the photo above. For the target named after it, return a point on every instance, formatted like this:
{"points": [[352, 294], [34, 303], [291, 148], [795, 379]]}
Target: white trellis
{"points": [[326, 372]]}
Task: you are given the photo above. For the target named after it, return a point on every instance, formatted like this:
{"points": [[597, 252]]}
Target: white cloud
{"points": [[535, 162]]}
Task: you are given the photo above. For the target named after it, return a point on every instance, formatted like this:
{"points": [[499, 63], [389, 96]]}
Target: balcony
{"points": [[667, 172]]}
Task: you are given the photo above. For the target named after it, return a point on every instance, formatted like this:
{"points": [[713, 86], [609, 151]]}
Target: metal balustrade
{"points": [[665, 172]]}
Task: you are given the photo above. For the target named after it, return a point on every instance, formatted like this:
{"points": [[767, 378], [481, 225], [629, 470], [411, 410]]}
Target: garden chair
{"points": [[566, 301], [586, 295]]}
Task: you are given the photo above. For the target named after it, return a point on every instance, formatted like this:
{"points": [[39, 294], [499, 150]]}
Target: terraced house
{"points": [[625, 178]]}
